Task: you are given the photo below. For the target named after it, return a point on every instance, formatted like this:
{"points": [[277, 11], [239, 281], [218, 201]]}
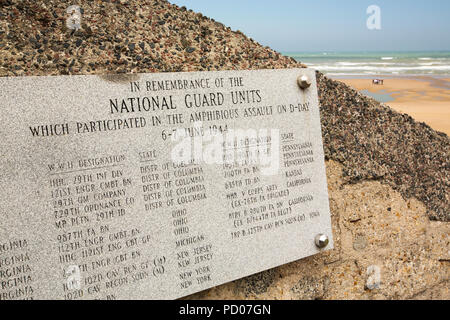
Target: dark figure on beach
{"points": [[377, 81]]}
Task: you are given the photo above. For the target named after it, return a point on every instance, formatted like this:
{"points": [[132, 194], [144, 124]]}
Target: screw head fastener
{"points": [[304, 82], [321, 240]]}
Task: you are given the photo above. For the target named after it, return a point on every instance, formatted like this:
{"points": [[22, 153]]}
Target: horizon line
{"points": [[365, 51]]}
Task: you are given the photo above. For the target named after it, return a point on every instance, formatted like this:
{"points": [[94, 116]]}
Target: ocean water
{"points": [[337, 64]]}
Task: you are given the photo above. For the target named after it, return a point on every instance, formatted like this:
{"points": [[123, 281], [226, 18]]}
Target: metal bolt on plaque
{"points": [[321, 240], [304, 82]]}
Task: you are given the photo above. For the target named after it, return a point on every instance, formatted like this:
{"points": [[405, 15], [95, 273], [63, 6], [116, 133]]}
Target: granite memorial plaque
{"points": [[157, 185]]}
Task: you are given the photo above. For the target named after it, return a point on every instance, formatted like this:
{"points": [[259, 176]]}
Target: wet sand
{"points": [[426, 99]]}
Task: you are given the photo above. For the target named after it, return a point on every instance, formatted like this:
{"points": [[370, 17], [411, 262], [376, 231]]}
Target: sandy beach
{"points": [[426, 99]]}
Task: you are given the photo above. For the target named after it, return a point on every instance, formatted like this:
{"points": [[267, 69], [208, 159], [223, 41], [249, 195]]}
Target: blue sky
{"points": [[334, 25]]}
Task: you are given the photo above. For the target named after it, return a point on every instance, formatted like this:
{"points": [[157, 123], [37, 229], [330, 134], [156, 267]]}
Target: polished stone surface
{"points": [[100, 198]]}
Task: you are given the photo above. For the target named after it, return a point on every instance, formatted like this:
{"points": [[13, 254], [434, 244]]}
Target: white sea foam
{"points": [[396, 68], [382, 69], [372, 63]]}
